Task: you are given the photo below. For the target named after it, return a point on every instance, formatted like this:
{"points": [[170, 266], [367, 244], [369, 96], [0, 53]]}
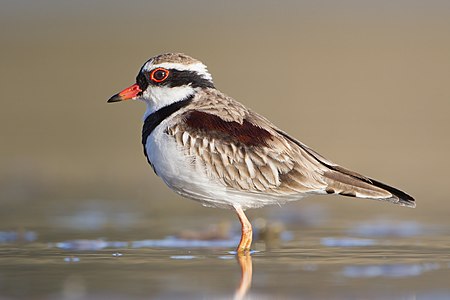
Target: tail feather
{"points": [[354, 185], [348, 183], [400, 197]]}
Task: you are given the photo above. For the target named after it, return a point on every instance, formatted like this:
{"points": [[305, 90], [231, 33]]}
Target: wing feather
{"points": [[247, 153], [246, 156]]}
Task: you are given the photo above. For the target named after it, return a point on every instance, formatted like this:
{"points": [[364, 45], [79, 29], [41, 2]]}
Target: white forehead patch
{"points": [[197, 67]]}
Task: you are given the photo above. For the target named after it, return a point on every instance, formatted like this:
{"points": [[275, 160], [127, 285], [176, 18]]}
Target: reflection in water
{"points": [[71, 259], [89, 245], [389, 270], [17, 236], [346, 242], [169, 242], [380, 260], [173, 242], [386, 228], [308, 269], [245, 262], [182, 257]]}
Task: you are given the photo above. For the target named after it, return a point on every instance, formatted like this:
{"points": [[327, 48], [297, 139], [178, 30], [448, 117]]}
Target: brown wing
{"points": [[246, 152]]}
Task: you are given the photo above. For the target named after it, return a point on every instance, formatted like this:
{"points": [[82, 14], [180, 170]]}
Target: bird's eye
{"points": [[159, 75]]}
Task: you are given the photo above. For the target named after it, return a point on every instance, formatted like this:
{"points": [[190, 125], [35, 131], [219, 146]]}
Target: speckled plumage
{"points": [[208, 147], [179, 58], [280, 167]]}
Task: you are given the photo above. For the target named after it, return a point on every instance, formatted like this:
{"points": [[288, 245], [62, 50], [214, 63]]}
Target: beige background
{"points": [[365, 83]]}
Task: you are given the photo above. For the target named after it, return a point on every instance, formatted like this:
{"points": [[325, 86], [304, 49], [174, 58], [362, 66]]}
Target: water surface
{"points": [[302, 262]]}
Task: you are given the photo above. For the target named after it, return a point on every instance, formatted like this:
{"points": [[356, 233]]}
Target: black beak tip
{"points": [[115, 98]]}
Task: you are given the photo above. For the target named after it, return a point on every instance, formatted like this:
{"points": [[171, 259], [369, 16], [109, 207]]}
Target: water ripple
{"points": [[389, 270], [346, 242]]}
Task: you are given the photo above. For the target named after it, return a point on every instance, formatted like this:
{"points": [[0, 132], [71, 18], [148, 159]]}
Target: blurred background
{"points": [[365, 83]]}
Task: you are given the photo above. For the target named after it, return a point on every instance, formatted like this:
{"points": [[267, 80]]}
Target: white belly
{"points": [[179, 171], [186, 176]]}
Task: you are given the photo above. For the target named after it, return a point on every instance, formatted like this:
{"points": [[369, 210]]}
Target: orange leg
{"points": [[246, 237], [245, 261]]}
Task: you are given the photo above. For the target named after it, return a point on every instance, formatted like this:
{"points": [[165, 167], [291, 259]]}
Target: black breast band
{"points": [[154, 119]]}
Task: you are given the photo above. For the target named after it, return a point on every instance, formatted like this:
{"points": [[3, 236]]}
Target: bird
{"points": [[208, 147]]}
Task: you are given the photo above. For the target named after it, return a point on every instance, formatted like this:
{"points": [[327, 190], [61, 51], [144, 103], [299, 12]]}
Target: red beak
{"points": [[130, 93]]}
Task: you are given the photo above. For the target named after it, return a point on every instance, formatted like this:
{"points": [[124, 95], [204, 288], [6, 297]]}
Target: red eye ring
{"points": [[159, 75]]}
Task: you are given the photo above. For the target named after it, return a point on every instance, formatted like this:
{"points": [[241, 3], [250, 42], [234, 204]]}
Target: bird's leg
{"points": [[246, 237], [245, 262]]}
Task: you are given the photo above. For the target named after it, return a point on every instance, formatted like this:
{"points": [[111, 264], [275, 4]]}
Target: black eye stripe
{"points": [[142, 81], [175, 78], [185, 77]]}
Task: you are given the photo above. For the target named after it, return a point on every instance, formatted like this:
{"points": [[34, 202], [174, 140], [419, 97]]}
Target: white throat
{"points": [[160, 96]]}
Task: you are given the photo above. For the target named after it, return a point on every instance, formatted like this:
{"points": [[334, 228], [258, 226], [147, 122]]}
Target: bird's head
{"points": [[165, 79]]}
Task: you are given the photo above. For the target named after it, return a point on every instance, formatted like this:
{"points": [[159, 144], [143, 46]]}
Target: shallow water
{"points": [[347, 262]]}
